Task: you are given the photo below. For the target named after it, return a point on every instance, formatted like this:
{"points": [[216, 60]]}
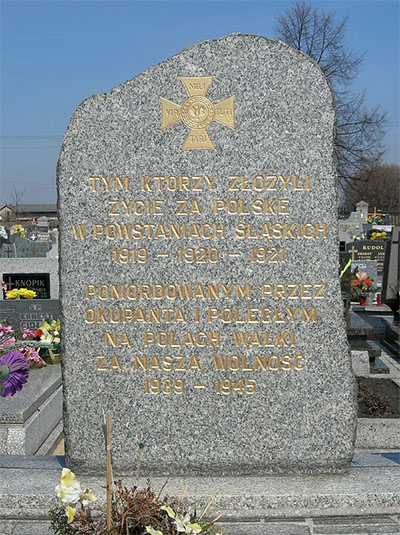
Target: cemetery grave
{"points": [[200, 300]]}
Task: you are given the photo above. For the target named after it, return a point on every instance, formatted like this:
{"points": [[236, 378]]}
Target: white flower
{"points": [[69, 490], [182, 523]]}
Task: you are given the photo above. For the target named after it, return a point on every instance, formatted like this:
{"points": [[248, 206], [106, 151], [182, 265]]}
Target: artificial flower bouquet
{"points": [[378, 235], [49, 335], [17, 293], [20, 351], [134, 511], [20, 293], [361, 284], [18, 230], [375, 219]]}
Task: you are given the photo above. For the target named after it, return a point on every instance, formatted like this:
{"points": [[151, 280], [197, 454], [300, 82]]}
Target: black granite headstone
{"points": [[38, 282], [367, 250], [391, 274]]}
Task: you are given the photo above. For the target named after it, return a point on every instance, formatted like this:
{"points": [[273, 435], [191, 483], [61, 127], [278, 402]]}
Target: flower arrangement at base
{"points": [[18, 230], [14, 372], [23, 342], [359, 237], [378, 235], [134, 511], [49, 335], [20, 293], [360, 285]]}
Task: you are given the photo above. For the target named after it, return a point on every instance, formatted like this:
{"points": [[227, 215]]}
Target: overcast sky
{"points": [[54, 54]]}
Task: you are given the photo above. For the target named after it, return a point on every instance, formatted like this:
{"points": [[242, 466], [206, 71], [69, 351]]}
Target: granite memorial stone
{"points": [[201, 303]]}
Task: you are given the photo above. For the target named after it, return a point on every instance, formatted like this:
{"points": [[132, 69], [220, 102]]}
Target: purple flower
{"points": [[14, 372]]}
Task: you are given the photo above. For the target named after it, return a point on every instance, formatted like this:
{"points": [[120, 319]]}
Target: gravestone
{"points": [[362, 209], [24, 248], [198, 259], [38, 282], [8, 250], [28, 313], [368, 250], [31, 249], [42, 230], [350, 227], [391, 275]]}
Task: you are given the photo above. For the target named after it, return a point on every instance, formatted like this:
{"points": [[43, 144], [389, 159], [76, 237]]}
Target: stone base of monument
{"points": [[250, 505], [30, 421], [378, 433]]}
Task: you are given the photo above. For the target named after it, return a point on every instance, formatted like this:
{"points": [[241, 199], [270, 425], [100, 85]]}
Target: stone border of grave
{"points": [[380, 433], [370, 487], [30, 421]]}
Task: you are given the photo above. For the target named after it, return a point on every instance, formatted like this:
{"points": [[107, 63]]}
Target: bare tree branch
{"points": [[360, 131]]}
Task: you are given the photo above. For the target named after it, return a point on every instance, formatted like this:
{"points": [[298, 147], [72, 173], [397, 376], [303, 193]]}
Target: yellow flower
{"points": [[22, 234], [88, 497], [67, 477], [30, 294], [55, 325], [169, 510], [69, 490], [153, 531], [70, 512], [193, 528], [45, 326], [13, 294]]}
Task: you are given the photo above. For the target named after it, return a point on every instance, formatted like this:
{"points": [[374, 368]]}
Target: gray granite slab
{"points": [[28, 313], [26, 439], [358, 326], [378, 433], [259, 219], [41, 384], [364, 525], [362, 491]]}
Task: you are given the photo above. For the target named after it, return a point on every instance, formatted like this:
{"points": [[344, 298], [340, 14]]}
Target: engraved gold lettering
{"points": [[254, 363], [79, 231], [111, 339], [101, 364], [114, 365], [189, 339]]}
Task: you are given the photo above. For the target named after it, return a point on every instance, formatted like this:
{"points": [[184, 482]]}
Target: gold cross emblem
{"points": [[197, 112]]}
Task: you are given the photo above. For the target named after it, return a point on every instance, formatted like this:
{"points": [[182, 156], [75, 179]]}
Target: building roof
{"points": [[35, 207]]}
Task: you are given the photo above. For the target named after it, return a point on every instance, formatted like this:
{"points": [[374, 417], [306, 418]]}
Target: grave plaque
{"points": [[200, 297], [28, 313], [368, 250], [38, 282]]}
